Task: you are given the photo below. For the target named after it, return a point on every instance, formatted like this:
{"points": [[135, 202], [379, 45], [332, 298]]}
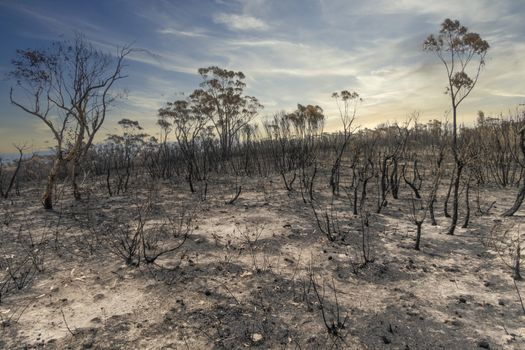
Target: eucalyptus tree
{"points": [[124, 149], [283, 155], [68, 87], [308, 124], [189, 124], [463, 54], [347, 103], [222, 100]]}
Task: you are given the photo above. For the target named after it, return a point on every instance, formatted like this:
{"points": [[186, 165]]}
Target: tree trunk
{"points": [[455, 198], [189, 177], [108, 181], [447, 198], [74, 175], [334, 177], [288, 184], [467, 204], [47, 198], [237, 194], [384, 183], [418, 234], [431, 211], [354, 209], [517, 203], [517, 273], [521, 192], [311, 184], [394, 179], [13, 177]]}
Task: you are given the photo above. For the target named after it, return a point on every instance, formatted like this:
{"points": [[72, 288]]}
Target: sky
{"points": [[291, 51]]}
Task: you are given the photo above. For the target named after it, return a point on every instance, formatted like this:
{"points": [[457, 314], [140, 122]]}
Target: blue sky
{"points": [[290, 51]]}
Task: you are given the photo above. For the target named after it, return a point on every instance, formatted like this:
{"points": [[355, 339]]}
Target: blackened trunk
{"points": [[431, 212], [47, 198], [418, 234], [447, 198], [455, 199], [467, 205]]}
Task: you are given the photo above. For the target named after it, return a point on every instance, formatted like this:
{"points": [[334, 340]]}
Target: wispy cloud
{"points": [[183, 33], [239, 22]]}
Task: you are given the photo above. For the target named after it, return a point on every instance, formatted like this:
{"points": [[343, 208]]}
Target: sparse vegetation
{"points": [[195, 239]]}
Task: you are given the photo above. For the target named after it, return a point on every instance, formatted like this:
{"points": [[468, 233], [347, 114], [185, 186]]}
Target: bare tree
{"points": [[505, 238], [456, 48], [421, 203], [283, 148], [125, 149], [67, 86], [394, 140], [308, 123], [521, 192], [347, 104], [11, 182], [189, 124]]}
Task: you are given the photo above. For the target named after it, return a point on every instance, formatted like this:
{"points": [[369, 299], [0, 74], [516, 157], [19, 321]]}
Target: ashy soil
{"points": [[256, 274]]}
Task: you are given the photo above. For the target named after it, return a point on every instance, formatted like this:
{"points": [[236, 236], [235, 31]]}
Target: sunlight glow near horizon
{"points": [[290, 51]]}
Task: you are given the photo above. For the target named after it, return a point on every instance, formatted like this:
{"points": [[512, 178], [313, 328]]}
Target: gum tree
{"points": [[68, 87], [222, 100], [463, 55], [190, 129], [347, 105]]}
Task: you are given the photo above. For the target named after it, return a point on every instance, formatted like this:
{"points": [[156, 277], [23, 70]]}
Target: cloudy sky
{"points": [[291, 51]]}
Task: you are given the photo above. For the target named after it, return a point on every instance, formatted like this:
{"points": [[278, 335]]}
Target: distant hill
{"points": [[9, 157]]}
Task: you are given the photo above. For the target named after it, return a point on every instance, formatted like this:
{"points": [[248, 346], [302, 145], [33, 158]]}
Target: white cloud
{"points": [[183, 33], [239, 22]]}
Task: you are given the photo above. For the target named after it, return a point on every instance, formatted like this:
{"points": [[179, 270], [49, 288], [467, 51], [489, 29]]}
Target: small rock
{"points": [[246, 274], [257, 337], [96, 320], [386, 340], [98, 297]]}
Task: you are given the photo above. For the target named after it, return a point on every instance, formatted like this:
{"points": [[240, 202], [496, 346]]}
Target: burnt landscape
{"points": [[226, 227]]}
